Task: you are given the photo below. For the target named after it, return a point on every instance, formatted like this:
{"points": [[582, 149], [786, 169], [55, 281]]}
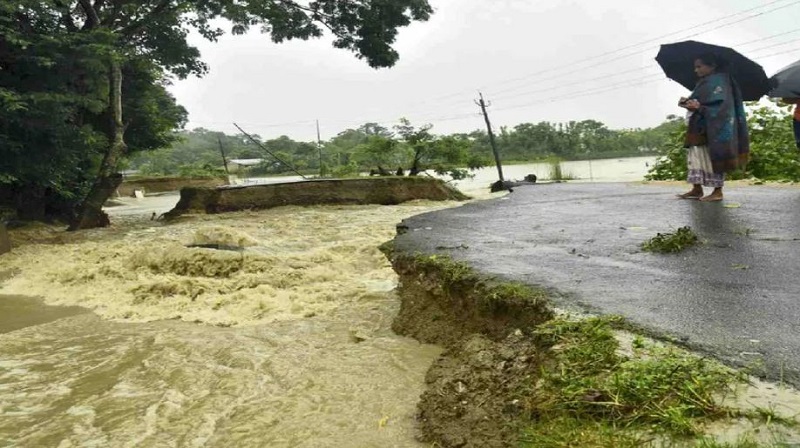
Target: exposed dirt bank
{"points": [[382, 191], [514, 374], [164, 184]]}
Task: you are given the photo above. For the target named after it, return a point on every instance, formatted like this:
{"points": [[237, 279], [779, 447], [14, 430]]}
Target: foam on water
{"points": [[294, 262], [310, 360]]}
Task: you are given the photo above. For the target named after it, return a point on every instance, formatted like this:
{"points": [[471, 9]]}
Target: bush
{"points": [[773, 154], [672, 163], [349, 170]]}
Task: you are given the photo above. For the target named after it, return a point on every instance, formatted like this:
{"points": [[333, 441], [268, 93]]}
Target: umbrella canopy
{"points": [[786, 82], [677, 60]]}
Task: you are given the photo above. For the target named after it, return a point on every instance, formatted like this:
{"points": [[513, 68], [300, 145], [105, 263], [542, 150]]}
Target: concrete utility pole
{"points": [[319, 148], [224, 160], [482, 105]]}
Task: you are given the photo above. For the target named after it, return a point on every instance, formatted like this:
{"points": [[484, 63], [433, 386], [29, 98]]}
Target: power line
{"points": [[606, 76], [430, 116], [639, 69], [607, 61], [263, 125], [638, 52], [628, 71], [577, 82], [767, 38], [627, 55], [780, 53], [658, 38], [289, 165], [558, 76], [611, 88], [589, 92], [776, 45]]}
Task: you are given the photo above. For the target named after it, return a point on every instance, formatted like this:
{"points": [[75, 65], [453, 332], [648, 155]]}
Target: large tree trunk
{"points": [[30, 202], [90, 213], [415, 166]]}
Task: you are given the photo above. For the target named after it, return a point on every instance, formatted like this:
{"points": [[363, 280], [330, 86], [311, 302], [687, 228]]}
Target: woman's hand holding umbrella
{"points": [[692, 105]]}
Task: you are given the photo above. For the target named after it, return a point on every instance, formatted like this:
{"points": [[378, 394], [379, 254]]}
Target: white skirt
{"points": [[701, 171]]}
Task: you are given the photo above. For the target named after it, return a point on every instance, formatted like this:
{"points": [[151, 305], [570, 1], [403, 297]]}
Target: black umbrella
{"points": [[677, 60], [787, 82]]}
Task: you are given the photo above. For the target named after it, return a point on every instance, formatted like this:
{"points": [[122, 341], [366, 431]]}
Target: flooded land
{"points": [[282, 340]]}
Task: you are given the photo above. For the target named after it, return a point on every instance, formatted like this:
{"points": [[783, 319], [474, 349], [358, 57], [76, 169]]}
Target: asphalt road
{"points": [[737, 295]]}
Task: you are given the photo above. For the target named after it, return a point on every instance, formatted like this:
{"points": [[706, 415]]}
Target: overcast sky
{"points": [[535, 60]]}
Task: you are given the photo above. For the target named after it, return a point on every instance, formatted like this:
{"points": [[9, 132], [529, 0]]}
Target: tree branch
{"points": [[316, 12], [25, 22], [317, 15], [111, 17], [92, 19], [162, 7], [66, 16]]}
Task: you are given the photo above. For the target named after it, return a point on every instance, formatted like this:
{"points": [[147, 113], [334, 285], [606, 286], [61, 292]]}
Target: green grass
{"points": [[769, 416], [667, 243], [590, 392], [450, 272], [572, 432], [557, 173], [746, 441]]}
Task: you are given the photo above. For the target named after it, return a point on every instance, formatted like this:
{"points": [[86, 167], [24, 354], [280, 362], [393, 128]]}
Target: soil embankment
{"points": [[474, 390], [381, 191], [165, 184], [515, 374], [5, 242]]}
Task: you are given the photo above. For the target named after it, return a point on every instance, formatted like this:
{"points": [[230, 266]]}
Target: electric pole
{"points": [[224, 160], [263, 148], [482, 104], [319, 148]]}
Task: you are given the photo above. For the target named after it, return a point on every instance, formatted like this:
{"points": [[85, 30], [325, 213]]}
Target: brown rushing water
{"points": [[292, 347]]}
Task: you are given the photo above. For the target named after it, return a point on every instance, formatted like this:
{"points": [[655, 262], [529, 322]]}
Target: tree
{"points": [[451, 156], [380, 151], [419, 140], [38, 134], [446, 155], [125, 33]]}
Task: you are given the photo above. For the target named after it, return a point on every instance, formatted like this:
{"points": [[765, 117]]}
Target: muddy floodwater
{"points": [[128, 337]]}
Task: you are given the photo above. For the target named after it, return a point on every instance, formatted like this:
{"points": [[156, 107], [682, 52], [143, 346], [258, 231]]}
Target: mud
{"points": [[5, 242], [164, 184], [475, 389], [475, 392], [443, 302]]}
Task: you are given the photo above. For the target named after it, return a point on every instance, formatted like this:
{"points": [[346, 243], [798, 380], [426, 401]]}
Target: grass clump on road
{"points": [[667, 243], [592, 394]]}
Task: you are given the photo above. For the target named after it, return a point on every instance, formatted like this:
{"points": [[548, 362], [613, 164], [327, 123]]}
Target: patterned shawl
{"points": [[720, 123]]}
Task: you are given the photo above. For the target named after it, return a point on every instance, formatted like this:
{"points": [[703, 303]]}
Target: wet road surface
{"points": [[737, 295]]}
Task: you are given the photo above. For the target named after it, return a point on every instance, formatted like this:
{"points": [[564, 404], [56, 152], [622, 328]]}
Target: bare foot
{"points": [[690, 195], [713, 197]]}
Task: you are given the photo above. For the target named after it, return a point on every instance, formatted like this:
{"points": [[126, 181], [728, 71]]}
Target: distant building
{"points": [[246, 162], [237, 165], [129, 173]]}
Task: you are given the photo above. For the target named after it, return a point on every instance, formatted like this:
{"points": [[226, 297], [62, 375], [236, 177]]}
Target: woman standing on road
{"points": [[717, 136], [796, 118]]}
